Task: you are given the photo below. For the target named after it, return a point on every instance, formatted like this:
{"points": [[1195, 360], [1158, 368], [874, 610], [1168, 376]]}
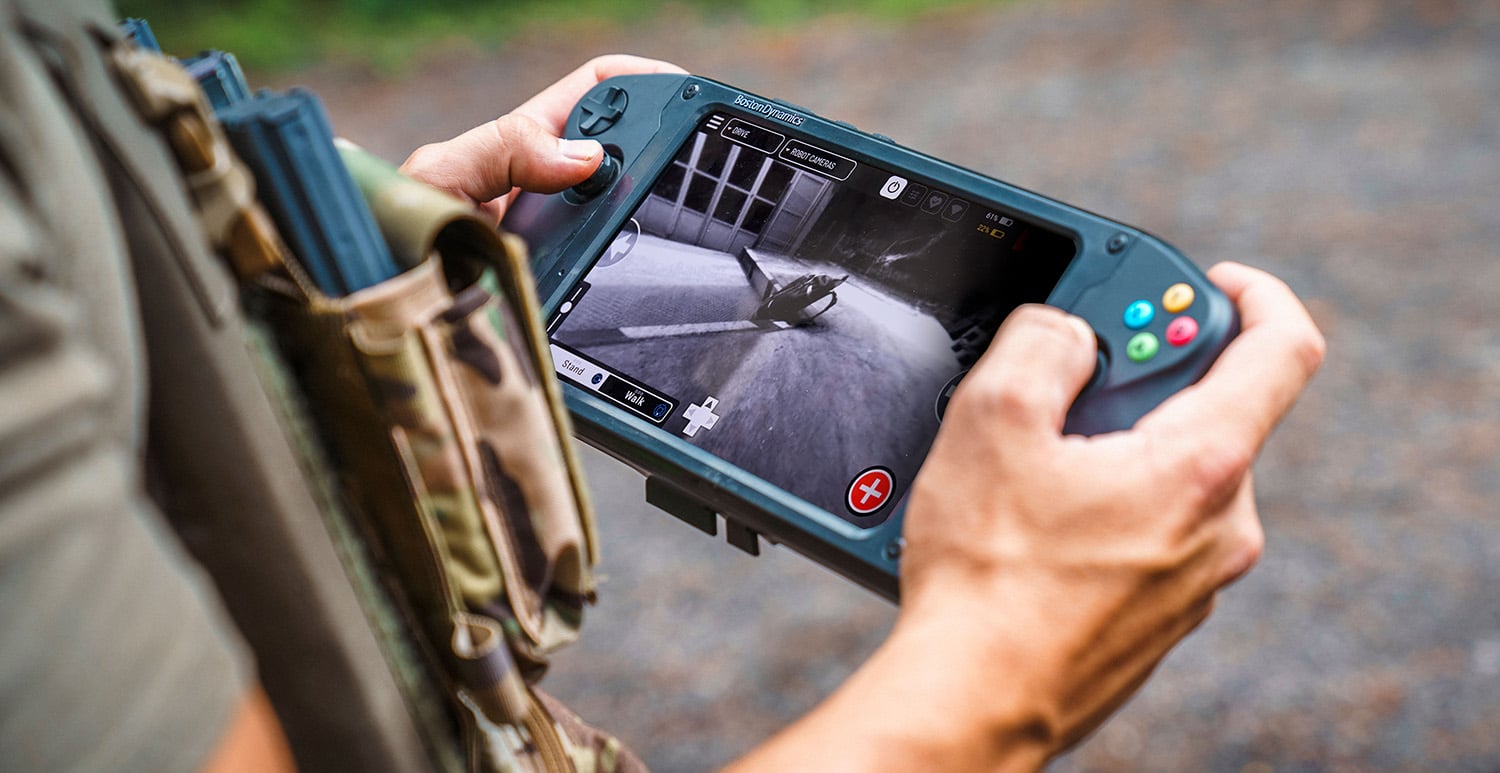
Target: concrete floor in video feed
{"points": [[800, 370]]}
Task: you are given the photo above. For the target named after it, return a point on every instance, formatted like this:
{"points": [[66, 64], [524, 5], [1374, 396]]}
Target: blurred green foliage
{"points": [[387, 34]]}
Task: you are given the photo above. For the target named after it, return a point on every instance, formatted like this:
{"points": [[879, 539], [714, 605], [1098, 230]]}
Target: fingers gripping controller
{"points": [[1152, 312]]}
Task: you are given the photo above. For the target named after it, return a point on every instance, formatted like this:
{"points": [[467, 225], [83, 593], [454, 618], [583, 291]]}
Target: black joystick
{"points": [[1101, 364], [600, 180]]}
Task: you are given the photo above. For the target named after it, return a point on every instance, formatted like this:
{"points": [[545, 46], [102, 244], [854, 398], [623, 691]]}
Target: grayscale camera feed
{"points": [[804, 328]]}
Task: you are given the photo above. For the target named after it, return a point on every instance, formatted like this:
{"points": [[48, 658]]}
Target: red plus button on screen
{"points": [[870, 491], [1182, 331]]}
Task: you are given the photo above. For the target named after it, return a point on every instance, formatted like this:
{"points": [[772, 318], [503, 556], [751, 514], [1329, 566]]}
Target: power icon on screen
{"points": [[893, 187]]}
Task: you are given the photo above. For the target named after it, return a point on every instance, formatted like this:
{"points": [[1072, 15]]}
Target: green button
{"points": [[1142, 347]]}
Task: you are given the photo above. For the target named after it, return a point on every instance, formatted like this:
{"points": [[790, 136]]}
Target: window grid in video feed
{"points": [[798, 313]]}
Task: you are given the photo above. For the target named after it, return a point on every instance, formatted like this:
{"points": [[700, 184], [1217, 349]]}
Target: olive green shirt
{"points": [[114, 652]]}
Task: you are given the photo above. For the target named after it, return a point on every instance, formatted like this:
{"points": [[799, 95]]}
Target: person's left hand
{"points": [[491, 163]]}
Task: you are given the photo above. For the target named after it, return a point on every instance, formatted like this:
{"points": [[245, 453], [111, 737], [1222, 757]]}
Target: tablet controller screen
{"points": [[799, 313]]}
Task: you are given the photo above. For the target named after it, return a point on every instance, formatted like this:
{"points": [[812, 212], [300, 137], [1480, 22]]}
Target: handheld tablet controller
{"points": [[765, 311]]}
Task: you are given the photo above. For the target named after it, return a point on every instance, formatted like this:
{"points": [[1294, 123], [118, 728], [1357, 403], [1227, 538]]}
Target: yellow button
{"points": [[1177, 297]]}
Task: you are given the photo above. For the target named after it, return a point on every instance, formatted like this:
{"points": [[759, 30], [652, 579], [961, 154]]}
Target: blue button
{"points": [[1139, 314]]}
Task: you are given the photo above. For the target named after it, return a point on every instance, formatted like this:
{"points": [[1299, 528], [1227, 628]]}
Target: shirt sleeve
{"points": [[114, 651]]}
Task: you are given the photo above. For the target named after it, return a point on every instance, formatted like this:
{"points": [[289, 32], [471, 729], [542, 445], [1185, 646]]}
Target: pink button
{"points": [[1181, 331]]}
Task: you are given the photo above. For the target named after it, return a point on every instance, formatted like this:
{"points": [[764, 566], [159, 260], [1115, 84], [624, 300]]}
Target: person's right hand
{"points": [[1045, 575], [1087, 558]]}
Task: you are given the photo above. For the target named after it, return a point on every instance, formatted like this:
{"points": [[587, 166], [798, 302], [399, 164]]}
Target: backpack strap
{"points": [[223, 189]]}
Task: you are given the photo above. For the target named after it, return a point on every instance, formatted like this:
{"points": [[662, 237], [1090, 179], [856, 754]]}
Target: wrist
{"points": [[978, 695], [926, 700]]}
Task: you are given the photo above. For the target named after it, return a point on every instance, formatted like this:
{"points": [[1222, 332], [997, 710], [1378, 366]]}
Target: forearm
{"points": [[931, 698], [253, 741], [1045, 575]]}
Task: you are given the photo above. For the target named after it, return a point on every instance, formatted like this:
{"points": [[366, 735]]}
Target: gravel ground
{"points": [[1347, 146]]}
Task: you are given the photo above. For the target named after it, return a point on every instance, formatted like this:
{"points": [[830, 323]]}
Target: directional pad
{"points": [[700, 416], [600, 110]]}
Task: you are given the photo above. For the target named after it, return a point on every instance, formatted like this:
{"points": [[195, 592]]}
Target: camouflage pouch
{"points": [[450, 439], [430, 398]]}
